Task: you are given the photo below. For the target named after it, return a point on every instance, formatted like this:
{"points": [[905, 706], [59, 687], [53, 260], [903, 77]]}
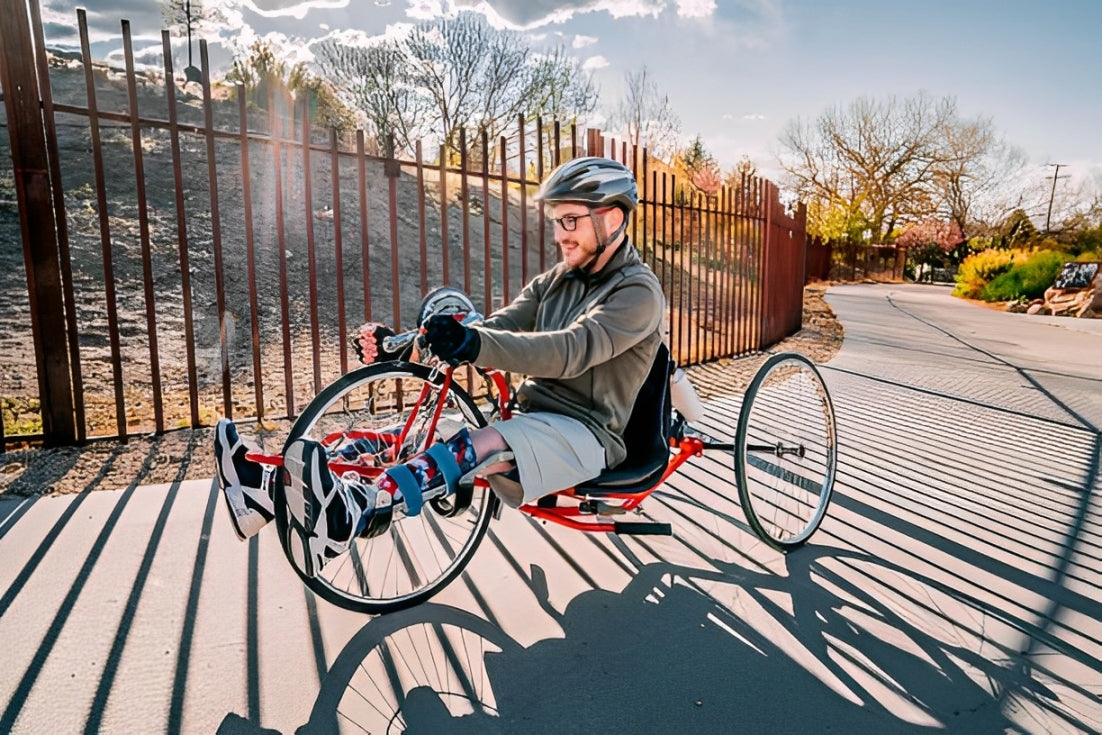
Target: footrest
{"points": [[642, 529]]}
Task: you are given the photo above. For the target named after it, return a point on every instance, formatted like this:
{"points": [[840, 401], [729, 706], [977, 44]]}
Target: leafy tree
{"points": [[1018, 230], [933, 243], [646, 117], [262, 69], [698, 165]]}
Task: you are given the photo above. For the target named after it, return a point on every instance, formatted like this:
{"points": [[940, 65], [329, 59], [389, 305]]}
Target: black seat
{"points": [[647, 437]]}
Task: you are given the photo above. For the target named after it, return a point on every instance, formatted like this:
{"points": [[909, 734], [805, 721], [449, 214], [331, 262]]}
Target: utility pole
{"points": [[1052, 195]]}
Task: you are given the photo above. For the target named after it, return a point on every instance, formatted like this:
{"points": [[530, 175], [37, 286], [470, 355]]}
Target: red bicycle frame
{"points": [[683, 448]]}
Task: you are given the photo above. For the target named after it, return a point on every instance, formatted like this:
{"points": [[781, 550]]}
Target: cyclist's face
{"points": [[579, 245]]}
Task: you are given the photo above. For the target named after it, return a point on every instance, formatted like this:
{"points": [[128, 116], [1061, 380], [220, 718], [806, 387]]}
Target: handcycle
{"points": [[784, 460]]}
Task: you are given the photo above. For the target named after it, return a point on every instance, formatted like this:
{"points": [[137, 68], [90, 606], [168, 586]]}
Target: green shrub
{"points": [[979, 269], [1026, 279]]}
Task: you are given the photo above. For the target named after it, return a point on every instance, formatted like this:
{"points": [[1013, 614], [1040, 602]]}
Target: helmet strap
{"points": [[603, 240]]}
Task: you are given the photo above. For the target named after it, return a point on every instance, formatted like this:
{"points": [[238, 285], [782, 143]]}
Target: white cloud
{"points": [[594, 62], [696, 8], [754, 116], [583, 41], [428, 9], [296, 10]]}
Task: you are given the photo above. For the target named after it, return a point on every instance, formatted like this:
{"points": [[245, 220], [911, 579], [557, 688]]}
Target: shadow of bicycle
{"points": [[674, 652]]}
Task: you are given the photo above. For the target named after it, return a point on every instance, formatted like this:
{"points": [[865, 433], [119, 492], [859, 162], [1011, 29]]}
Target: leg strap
{"points": [[458, 497], [411, 490]]}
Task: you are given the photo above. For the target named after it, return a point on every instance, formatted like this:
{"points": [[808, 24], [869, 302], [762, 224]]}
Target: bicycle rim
{"points": [[786, 451], [417, 556]]}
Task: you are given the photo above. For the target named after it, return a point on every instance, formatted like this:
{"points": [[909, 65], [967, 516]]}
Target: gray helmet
{"points": [[596, 182]]}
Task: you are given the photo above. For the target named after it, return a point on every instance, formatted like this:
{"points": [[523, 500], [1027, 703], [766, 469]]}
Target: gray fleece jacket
{"points": [[585, 341]]}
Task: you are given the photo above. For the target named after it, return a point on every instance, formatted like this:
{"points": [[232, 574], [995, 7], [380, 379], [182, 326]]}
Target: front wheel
{"points": [[786, 451], [416, 556]]}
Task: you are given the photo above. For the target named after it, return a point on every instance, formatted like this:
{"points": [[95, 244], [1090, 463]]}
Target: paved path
{"points": [[954, 587]]}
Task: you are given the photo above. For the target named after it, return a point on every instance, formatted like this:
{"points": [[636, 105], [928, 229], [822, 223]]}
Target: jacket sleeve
{"points": [[629, 314], [518, 316]]}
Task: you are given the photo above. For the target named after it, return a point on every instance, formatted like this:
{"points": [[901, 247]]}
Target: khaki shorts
{"points": [[553, 452]]}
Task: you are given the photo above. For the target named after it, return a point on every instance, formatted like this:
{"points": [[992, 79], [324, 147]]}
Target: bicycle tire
{"points": [[785, 451], [417, 556]]}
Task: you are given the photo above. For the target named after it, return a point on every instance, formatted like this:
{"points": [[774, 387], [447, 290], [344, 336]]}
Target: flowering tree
{"points": [[933, 244]]}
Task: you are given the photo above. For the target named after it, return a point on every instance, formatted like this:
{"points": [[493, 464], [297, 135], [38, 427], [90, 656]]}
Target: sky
{"points": [[738, 71]]}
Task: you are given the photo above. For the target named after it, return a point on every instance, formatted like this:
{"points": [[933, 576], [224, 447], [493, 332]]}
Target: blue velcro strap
{"points": [[410, 488], [445, 462]]}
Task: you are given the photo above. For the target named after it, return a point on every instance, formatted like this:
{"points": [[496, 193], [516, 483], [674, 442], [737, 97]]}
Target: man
{"points": [[585, 333]]}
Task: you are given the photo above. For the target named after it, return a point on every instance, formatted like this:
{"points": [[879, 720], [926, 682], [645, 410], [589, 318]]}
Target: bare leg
{"points": [[486, 441]]}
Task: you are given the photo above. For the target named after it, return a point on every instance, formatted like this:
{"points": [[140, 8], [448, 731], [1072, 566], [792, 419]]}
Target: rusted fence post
{"points": [[30, 163]]}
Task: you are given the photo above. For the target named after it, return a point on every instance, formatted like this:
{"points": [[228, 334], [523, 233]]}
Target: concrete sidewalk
{"points": [[954, 586]]}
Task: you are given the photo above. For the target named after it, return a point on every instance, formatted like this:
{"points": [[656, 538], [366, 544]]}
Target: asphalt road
{"points": [[954, 587]]}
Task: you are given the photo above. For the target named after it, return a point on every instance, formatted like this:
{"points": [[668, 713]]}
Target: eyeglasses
{"points": [[569, 222]]}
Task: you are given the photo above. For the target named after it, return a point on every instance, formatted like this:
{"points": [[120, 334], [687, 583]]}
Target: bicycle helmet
{"points": [[593, 181], [444, 300]]}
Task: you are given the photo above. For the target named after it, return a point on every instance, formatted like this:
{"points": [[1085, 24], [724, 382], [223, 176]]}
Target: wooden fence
{"points": [[188, 256]]}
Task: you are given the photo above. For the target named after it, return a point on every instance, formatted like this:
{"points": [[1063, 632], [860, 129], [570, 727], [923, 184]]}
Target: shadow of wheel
{"points": [[423, 669]]}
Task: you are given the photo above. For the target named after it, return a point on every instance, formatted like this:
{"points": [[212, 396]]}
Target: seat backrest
{"points": [[647, 434]]}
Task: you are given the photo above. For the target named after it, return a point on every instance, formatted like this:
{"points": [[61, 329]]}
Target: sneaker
{"points": [[245, 484], [327, 512]]}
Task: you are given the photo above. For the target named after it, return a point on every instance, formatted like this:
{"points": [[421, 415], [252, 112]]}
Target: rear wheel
{"points": [[786, 451], [416, 556]]}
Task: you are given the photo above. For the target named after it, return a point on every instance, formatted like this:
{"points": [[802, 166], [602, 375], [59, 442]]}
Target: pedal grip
{"points": [[642, 529]]}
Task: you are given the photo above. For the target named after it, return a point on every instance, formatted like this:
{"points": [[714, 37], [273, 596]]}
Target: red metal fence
{"points": [[210, 257]]}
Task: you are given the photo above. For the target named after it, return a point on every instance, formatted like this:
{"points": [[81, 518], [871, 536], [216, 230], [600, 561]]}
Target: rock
{"points": [[1077, 290], [1036, 308]]}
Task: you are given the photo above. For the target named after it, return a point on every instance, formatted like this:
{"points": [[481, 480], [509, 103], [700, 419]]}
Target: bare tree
{"points": [[453, 75], [481, 79], [873, 161], [646, 116], [374, 80], [978, 177]]}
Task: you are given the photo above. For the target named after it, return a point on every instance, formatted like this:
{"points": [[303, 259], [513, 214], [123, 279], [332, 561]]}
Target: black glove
{"points": [[368, 343], [449, 340]]}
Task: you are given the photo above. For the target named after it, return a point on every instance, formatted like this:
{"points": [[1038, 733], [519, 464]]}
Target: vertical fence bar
{"points": [[311, 248], [250, 246], [541, 221], [365, 236], [216, 229], [641, 179], [522, 169], [338, 245], [422, 231], [465, 209], [62, 223], [445, 254], [110, 296], [393, 170], [181, 229], [487, 249], [276, 128], [143, 230], [730, 271], [504, 226]]}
